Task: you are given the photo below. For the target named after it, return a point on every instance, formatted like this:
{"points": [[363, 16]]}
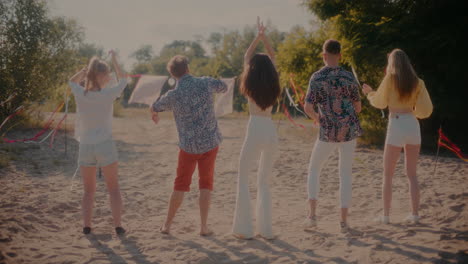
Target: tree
{"points": [[37, 52], [428, 31], [226, 60], [143, 54]]}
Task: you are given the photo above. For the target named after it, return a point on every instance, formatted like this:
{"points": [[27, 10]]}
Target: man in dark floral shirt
{"points": [[192, 102], [335, 93]]}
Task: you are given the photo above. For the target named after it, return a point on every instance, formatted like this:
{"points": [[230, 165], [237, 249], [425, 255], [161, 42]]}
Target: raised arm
{"points": [[251, 50], [268, 47], [120, 73], [260, 37], [79, 76]]}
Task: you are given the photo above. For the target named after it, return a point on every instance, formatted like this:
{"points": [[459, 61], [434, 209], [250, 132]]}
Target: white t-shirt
{"points": [[94, 112]]}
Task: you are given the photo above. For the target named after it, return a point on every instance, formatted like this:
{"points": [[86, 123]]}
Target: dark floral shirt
{"points": [[333, 90], [192, 102]]}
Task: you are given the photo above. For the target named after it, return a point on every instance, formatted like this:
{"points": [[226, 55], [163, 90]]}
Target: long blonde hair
{"points": [[95, 67], [402, 74]]}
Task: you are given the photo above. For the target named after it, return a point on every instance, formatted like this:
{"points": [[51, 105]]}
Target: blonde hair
{"points": [[402, 74], [95, 67]]}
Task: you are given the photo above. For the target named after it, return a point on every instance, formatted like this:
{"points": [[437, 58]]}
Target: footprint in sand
{"points": [[457, 196], [187, 229], [457, 208], [11, 254]]}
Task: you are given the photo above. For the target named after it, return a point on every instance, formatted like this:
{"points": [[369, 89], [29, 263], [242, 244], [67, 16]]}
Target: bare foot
{"points": [[205, 231], [269, 237], [239, 236], [164, 230]]}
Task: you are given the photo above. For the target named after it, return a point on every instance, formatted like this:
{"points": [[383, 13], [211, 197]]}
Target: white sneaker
{"points": [[414, 219], [310, 222], [383, 219], [344, 227]]}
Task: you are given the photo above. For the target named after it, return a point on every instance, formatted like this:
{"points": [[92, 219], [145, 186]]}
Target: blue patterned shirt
{"points": [[333, 90], [192, 102]]}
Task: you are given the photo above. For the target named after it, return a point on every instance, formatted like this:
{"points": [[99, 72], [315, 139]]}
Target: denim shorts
{"points": [[97, 155]]}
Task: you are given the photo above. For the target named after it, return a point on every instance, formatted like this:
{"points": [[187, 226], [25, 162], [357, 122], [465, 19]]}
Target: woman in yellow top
{"points": [[407, 99]]}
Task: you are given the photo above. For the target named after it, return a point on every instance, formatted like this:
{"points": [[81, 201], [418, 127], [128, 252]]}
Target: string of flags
{"points": [[360, 87], [148, 89], [445, 142]]}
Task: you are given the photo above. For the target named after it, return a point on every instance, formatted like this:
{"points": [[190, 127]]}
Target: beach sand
{"points": [[40, 218]]}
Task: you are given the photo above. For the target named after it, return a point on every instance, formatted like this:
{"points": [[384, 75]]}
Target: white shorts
{"points": [[97, 155], [403, 129]]}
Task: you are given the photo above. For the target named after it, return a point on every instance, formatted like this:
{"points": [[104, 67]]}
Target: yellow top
{"points": [[386, 95]]}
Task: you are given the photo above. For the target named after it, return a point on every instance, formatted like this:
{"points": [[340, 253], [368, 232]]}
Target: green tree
{"points": [[37, 52], [427, 30], [143, 54], [226, 60]]}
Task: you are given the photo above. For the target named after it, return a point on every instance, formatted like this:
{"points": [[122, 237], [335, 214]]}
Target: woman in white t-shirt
{"points": [[93, 130]]}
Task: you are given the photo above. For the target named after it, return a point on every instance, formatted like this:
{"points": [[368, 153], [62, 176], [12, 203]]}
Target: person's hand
{"points": [[260, 28], [315, 123], [113, 53], [154, 115], [366, 89], [155, 118]]}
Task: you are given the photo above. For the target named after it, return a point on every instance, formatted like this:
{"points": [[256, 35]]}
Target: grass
{"points": [[4, 160], [9, 153]]}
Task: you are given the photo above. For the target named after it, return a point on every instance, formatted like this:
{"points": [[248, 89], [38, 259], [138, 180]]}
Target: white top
{"points": [[254, 109], [94, 111]]}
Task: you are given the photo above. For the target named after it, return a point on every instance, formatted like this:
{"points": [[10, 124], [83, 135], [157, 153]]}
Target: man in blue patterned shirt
{"points": [[192, 102]]}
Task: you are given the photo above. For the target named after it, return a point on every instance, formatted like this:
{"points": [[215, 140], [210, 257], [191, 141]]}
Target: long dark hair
{"points": [[260, 81], [402, 73]]}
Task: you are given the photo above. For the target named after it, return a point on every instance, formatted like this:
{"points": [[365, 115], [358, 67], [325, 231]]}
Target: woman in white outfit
{"points": [[260, 84], [94, 132]]}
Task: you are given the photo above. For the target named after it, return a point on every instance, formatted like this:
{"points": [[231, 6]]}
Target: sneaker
{"points": [[119, 230], [86, 230], [343, 227], [310, 222], [413, 219], [383, 219]]}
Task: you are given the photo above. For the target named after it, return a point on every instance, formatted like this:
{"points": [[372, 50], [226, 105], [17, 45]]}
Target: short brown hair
{"points": [[332, 46], [178, 66]]}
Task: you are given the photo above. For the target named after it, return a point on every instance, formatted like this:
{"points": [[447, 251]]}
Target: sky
{"points": [[127, 25]]}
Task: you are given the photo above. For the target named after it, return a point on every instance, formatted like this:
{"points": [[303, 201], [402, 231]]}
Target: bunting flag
{"points": [[224, 101], [147, 89], [286, 113], [445, 142], [17, 112], [57, 127], [292, 103], [40, 133], [357, 80], [8, 99], [301, 96]]}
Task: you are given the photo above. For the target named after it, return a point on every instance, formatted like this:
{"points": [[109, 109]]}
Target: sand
{"points": [[40, 219]]}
